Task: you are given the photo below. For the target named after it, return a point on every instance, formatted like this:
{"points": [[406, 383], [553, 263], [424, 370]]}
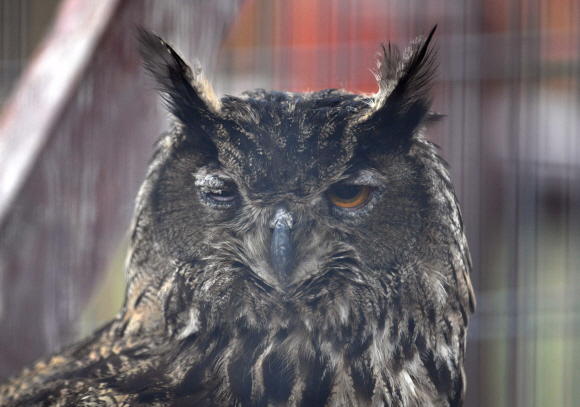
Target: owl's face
{"points": [[287, 189], [290, 190]]}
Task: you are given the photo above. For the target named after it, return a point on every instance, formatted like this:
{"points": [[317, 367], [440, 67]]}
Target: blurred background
{"points": [[79, 119]]}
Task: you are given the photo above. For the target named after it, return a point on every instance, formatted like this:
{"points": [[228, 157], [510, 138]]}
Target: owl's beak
{"points": [[281, 252]]}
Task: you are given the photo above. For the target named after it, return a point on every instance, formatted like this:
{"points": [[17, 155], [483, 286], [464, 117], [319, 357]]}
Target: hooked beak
{"points": [[281, 251]]}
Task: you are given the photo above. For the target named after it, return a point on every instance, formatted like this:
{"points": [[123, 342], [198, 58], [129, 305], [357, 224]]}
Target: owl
{"points": [[287, 249]]}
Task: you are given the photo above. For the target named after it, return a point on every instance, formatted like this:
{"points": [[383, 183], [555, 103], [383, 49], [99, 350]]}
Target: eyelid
{"points": [[363, 177], [212, 182]]}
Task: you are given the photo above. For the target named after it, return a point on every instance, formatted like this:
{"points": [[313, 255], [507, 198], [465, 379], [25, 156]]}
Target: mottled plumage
{"points": [[300, 249]]}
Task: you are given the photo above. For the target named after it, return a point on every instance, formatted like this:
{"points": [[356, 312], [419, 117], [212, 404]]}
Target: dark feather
{"points": [[187, 93], [402, 103]]}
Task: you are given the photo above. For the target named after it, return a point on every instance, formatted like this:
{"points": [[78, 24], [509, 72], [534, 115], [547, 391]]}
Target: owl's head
{"points": [[295, 197]]}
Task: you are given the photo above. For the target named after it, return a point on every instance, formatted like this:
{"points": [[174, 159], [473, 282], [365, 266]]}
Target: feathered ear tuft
{"points": [[403, 101], [188, 94]]}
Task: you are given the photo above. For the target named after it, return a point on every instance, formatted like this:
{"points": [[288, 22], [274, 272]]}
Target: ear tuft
{"points": [[402, 102], [188, 94], [405, 79]]}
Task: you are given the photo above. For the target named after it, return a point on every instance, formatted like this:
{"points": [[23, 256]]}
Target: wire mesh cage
{"points": [[508, 83]]}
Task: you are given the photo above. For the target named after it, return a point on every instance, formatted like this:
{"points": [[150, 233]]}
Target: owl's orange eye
{"points": [[349, 196]]}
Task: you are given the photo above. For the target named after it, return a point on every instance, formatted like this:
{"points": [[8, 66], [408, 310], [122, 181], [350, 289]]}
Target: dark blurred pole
{"points": [[75, 140]]}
